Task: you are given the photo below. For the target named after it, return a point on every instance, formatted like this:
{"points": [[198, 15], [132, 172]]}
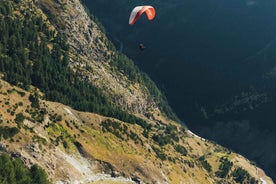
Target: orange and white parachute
{"points": [[138, 11]]}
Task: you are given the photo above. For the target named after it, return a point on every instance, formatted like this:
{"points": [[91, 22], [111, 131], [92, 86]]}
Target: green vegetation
{"points": [[224, 167], [59, 135], [120, 130], [167, 136], [39, 140], [159, 153], [30, 54], [127, 67], [114, 128], [34, 99], [7, 132], [55, 117], [161, 139], [242, 176], [205, 164], [181, 149], [19, 119], [21, 93], [14, 172], [38, 175], [37, 114], [171, 130]]}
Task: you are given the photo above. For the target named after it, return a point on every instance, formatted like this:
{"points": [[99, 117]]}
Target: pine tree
{"points": [[38, 175]]}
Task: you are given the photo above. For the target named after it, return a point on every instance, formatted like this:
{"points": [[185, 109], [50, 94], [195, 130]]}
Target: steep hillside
{"points": [[74, 146], [116, 126], [95, 57]]}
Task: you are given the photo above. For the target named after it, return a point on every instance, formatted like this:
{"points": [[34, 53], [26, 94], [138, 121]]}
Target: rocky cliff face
{"points": [[91, 55], [84, 147]]}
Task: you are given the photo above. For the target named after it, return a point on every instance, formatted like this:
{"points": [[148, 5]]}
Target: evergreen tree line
{"points": [[15, 172], [32, 54]]}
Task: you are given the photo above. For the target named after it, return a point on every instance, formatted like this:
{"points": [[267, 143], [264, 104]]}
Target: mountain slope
{"points": [[79, 146], [96, 58], [129, 137]]}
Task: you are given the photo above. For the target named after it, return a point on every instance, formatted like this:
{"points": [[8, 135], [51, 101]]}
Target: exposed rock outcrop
{"points": [[93, 55]]}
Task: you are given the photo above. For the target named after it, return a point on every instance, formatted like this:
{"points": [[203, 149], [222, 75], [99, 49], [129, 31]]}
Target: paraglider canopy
{"points": [[138, 11]]}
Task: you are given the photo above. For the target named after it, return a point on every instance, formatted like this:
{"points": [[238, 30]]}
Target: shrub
{"points": [[205, 164], [159, 153], [8, 132], [19, 119], [181, 149], [34, 99], [242, 176], [224, 168]]}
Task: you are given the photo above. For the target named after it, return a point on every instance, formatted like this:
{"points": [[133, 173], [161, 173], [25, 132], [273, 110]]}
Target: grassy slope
{"points": [[124, 155]]}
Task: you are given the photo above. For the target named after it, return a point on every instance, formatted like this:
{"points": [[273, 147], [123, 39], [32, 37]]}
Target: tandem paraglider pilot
{"points": [[141, 46]]}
